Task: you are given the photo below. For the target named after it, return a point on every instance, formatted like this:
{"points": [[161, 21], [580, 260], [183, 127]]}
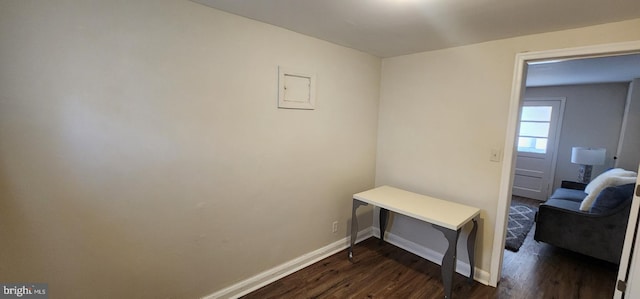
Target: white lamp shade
{"points": [[588, 156]]}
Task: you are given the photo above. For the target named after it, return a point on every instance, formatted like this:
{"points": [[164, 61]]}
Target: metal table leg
{"points": [[471, 248], [384, 218], [449, 259], [354, 225]]}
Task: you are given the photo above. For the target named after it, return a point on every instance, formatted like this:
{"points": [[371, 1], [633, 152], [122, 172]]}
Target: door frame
{"points": [[517, 94], [627, 271]]}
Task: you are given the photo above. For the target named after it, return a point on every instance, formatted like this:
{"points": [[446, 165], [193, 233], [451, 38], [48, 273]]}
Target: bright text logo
{"points": [[23, 290]]}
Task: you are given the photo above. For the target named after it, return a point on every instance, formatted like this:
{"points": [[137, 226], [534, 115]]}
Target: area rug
{"points": [[519, 225]]}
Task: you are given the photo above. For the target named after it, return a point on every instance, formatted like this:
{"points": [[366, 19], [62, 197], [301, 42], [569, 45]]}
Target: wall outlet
{"points": [[335, 227]]}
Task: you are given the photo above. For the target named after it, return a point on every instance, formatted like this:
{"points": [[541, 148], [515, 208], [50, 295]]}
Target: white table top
{"points": [[436, 211]]}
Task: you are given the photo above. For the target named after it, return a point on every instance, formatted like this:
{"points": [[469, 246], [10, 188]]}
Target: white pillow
{"points": [[611, 181], [598, 181]]}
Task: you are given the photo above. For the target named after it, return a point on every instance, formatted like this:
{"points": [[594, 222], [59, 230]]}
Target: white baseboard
{"points": [[463, 268], [253, 283]]}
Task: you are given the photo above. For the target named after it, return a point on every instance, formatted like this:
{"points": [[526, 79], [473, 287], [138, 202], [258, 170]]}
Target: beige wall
{"points": [[142, 154], [441, 113]]}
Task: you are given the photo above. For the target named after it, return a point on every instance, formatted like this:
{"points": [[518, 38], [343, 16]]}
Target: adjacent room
{"points": [[570, 104], [569, 108], [204, 149]]}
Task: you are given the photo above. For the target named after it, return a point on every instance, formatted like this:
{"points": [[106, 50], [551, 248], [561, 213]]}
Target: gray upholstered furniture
{"points": [[598, 232]]}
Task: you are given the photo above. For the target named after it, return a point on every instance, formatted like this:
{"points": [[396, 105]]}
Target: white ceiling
{"points": [[387, 28]]}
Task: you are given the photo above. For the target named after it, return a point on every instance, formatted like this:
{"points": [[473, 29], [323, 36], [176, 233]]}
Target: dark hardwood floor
{"points": [[378, 271], [537, 270], [540, 270]]}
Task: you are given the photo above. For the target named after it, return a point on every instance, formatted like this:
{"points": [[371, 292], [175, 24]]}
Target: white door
{"points": [[540, 122], [630, 260]]}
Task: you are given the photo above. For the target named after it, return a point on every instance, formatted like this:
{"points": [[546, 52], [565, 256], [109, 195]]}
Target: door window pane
{"points": [[534, 129], [536, 113], [532, 145]]}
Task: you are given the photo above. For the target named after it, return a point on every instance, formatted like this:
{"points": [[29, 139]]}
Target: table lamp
{"points": [[587, 157]]}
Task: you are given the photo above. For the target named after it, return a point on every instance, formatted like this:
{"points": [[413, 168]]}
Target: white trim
{"points": [[517, 90], [627, 269], [253, 283], [431, 255], [554, 163]]}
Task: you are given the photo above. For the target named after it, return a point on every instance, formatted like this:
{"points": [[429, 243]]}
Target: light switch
{"points": [[495, 155]]}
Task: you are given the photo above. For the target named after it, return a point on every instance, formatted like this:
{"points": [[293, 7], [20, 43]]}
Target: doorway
{"points": [[510, 153]]}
